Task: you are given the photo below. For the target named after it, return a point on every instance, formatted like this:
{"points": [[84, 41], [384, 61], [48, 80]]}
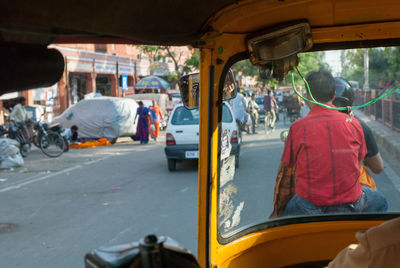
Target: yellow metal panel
{"points": [[387, 30], [332, 22], [250, 16], [291, 244], [205, 62], [214, 53]]}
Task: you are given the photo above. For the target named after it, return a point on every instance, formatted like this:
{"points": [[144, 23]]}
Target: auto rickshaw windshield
{"points": [[334, 164]]}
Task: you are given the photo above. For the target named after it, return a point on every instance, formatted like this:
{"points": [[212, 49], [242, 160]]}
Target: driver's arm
{"points": [[373, 159], [375, 163]]}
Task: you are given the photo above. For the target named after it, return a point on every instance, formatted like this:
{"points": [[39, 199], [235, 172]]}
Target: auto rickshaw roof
{"points": [[174, 22]]}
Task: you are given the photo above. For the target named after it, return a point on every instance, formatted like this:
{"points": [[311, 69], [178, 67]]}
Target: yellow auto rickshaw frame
{"points": [[335, 25]]}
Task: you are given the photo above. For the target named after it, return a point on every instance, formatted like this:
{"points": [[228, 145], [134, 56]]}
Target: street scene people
{"points": [[270, 106], [19, 119], [71, 134], [253, 109], [335, 187], [143, 125], [156, 117], [325, 166]]}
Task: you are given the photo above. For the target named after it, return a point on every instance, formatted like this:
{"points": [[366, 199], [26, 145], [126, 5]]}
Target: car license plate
{"points": [[192, 154]]}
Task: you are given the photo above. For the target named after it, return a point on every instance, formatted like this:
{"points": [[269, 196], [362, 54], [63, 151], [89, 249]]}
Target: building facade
{"points": [[106, 69]]}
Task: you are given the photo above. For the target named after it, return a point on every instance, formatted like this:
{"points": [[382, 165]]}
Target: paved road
{"points": [[94, 197], [62, 208]]}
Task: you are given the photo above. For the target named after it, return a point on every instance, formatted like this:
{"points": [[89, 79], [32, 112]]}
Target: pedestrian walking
{"points": [[143, 125], [253, 109], [270, 105], [156, 117]]}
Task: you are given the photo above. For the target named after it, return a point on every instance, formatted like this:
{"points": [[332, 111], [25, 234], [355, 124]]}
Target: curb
{"points": [[386, 138]]}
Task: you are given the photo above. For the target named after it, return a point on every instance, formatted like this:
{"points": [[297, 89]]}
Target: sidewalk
{"points": [[387, 139]]}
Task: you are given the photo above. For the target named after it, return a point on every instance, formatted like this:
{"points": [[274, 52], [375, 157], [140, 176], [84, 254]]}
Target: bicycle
{"points": [[268, 122], [49, 139]]}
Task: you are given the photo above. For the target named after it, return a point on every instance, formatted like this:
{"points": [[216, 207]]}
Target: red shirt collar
{"points": [[321, 110]]}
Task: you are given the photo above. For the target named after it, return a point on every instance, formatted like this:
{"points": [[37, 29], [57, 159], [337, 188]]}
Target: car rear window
{"points": [[226, 114], [184, 116], [260, 100]]}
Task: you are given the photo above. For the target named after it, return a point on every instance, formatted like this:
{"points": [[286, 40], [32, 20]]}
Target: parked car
{"points": [[107, 117], [182, 134]]}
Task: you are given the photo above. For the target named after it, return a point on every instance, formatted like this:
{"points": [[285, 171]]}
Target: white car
{"points": [[182, 134]]}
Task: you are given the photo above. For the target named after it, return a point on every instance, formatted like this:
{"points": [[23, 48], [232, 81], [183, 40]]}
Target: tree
{"points": [[192, 64], [309, 61], [157, 53], [153, 54], [384, 64]]}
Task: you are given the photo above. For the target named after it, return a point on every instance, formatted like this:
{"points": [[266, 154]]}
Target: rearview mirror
{"points": [[190, 89]]}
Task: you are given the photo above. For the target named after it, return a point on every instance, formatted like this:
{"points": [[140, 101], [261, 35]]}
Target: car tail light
{"points": [[234, 138], [170, 139]]}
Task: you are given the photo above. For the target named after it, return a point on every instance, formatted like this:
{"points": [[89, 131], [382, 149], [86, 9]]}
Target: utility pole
{"points": [[343, 63], [366, 70]]}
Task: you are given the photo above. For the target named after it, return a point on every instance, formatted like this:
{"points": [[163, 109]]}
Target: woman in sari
{"points": [[143, 126], [157, 115]]}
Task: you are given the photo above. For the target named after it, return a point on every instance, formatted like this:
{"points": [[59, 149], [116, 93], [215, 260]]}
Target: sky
{"points": [[333, 59]]}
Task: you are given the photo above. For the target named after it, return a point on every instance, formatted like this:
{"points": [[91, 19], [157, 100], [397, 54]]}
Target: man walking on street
{"points": [[270, 106], [253, 111]]}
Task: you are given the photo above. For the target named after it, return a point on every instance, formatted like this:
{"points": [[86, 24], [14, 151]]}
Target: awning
{"points": [[9, 96]]}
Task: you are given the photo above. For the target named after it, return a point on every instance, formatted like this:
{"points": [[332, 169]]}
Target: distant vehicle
{"points": [[182, 137], [355, 85], [176, 98], [107, 117]]}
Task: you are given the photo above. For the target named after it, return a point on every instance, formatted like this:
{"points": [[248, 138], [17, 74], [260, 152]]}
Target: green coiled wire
{"points": [[387, 93]]}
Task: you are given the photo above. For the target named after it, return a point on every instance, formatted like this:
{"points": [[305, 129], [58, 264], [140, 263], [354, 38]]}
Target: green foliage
{"points": [[384, 64], [245, 68], [312, 61], [192, 63]]}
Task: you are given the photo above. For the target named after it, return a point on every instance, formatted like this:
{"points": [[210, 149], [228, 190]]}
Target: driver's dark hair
{"points": [[21, 99], [322, 85]]}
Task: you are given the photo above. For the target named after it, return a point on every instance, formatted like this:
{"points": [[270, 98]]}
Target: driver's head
{"points": [[322, 85], [344, 93]]}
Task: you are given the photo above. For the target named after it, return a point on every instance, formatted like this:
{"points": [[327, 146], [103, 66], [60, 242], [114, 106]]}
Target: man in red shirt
{"points": [[327, 147]]}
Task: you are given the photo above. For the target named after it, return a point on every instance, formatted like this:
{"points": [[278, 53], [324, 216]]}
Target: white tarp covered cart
{"points": [[107, 117]]}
